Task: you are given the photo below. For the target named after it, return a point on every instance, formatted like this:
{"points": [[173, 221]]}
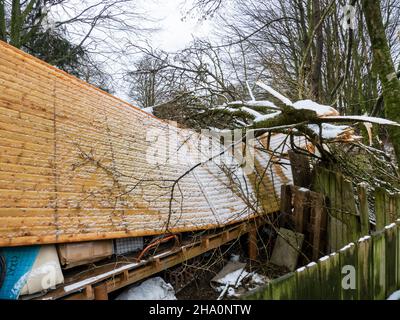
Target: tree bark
{"points": [[319, 47], [384, 67], [16, 24], [3, 31]]}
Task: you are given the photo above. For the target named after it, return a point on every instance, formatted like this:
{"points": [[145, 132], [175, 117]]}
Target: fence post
{"points": [[333, 221], [318, 213], [300, 214], [350, 214], [397, 202], [378, 254], [339, 206], [330, 277], [308, 282], [300, 165], [398, 252], [390, 251], [380, 215], [364, 269], [262, 293], [285, 287], [348, 259], [286, 205], [364, 210]]}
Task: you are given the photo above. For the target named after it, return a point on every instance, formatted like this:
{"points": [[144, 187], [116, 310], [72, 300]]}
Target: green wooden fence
{"points": [[348, 209], [373, 261]]}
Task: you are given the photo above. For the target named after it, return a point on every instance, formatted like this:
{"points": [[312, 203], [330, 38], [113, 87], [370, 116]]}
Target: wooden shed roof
{"points": [[74, 165]]}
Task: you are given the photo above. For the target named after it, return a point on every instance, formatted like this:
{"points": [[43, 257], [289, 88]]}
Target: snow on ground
{"points": [[237, 282], [151, 289], [394, 296], [233, 279]]}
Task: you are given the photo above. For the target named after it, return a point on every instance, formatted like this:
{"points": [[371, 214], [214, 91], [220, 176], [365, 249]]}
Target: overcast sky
{"points": [[175, 33], [165, 16]]}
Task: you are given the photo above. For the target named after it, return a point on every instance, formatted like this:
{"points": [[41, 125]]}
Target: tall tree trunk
{"points": [[16, 25], [384, 67], [319, 47], [3, 31]]}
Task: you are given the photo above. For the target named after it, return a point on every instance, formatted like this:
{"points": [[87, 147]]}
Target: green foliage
{"points": [[55, 49]]}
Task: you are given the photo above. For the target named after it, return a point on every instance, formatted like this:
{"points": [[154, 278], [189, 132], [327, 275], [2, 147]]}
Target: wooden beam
{"points": [[252, 244], [300, 169], [364, 210], [319, 226], [162, 261], [300, 214], [100, 292], [286, 205]]}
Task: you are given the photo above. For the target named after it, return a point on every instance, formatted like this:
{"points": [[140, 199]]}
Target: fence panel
{"points": [[391, 258], [365, 268], [330, 277], [379, 265], [376, 262], [348, 264]]}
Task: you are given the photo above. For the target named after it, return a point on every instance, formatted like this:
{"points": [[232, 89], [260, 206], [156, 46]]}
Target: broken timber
{"points": [[99, 286]]}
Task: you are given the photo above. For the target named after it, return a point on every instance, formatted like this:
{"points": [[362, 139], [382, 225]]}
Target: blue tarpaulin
{"points": [[19, 262]]}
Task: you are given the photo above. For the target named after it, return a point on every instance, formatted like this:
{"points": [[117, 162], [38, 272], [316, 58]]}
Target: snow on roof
{"points": [[99, 169]]}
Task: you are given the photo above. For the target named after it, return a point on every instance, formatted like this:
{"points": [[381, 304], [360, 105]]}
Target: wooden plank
{"points": [[301, 171], [334, 237], [365, 269], [391, 257], [330, 276], [380, 210], [348, 264], [398, 252], [308, 282], [252, 244], [318, 212], [165, 261], [340, 207], [350, 214], [286, 206], [88, 293], [100, 292], [364, 209], [379, 265], [46, 116], [397, 204], [300, 212], [285, 287], [262, 293]]}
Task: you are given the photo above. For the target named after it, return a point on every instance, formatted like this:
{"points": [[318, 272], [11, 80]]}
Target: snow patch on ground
{"points": [[235, 258], [233, 279], [394, 296], [151, 289], [235, 283]]}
